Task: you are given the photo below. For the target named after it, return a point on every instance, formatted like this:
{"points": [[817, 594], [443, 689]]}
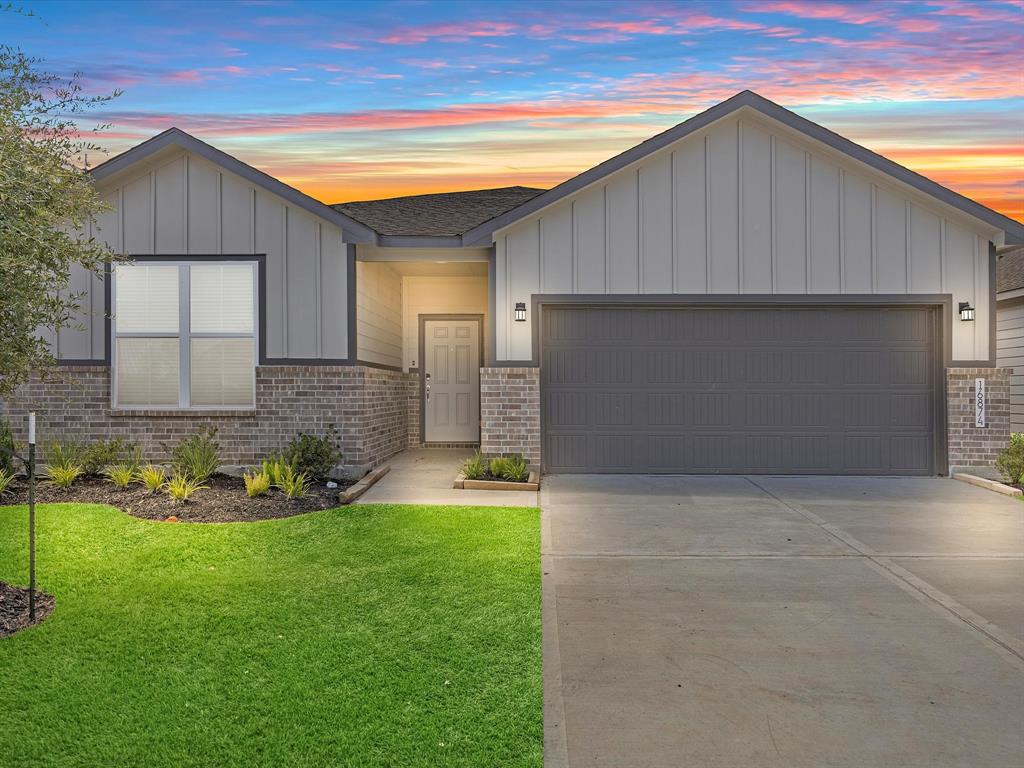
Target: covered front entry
{"points": [[741, 389]]}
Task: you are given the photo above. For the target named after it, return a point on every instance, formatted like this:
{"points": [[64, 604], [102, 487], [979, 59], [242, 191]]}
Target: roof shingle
{"points": [[1010, 270], [437, 215]]}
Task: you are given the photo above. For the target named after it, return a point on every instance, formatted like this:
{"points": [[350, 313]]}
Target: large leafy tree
{"points": [[46, 203]]}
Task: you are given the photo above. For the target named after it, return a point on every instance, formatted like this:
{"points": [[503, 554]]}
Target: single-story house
{"points": [[1010, 327], [745, 292]]}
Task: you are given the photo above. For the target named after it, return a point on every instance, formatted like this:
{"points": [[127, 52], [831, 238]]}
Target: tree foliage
{"points": [[46, 202]]}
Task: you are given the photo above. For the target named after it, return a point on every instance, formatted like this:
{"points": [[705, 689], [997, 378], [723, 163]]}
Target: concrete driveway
{"points": [[770, 621]]}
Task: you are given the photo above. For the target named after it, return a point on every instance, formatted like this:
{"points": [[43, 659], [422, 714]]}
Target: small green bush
{"points": [[516, 469], [316, 456], [101, 454], [475, 468], [498, 467], [121, 475], [256, 483], [181, 487], [152, 477], [62, 476], [294, 485], [1010, 462], [7, 448], [275, 467], [6, 478], [65, 456], [197, 456]]}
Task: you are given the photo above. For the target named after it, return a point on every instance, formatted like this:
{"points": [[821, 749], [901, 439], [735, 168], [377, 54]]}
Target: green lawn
{"points": [[367, 635]]}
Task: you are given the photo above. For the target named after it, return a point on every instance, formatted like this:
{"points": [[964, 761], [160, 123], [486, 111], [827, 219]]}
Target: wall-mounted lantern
{"points": [[520, 312], [966, 311]]}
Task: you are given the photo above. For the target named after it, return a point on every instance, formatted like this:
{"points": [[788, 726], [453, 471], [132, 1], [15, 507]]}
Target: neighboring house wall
{"points": [[448, 295], [179, 205], [378, 314], [747, 206], [1010, 353]]}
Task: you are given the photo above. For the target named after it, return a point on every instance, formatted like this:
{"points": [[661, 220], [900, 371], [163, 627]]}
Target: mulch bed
{"points": [[224, 501], [14, 608]]}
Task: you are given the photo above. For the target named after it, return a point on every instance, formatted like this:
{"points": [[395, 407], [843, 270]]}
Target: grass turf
{"points": [[367, 635]]}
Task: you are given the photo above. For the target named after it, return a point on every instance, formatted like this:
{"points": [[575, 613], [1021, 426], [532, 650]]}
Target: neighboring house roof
{"points": [[1010, 270], [446, 214], [1013, 230], [354, 231]]}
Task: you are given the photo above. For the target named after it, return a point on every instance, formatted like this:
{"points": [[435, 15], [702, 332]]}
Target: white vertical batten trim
{"points": [[152, 211], [908, 244], [508, 301], [707, 219], [641, 288], [284, 277], [573, 246], [841, 234], [739, 206], [220, 212], [673, 225], [942, 254], [807, 222], [874, 239], [974, 297], [540, 254], [607, 240], [318, 240], [252, 220], [773, 212], [184, 206]]}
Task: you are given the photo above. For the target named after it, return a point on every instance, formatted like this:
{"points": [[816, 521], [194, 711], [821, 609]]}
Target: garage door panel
{"points": [[719, 389]]}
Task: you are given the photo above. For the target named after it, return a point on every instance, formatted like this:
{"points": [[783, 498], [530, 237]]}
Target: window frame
{"points": [[185, 334]]}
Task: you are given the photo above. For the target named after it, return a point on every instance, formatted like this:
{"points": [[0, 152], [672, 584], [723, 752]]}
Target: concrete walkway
{"points": [[425, 476], [731, 621]]}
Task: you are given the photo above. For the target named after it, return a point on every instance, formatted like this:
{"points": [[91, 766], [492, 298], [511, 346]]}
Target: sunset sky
{"points": [[363, 100]]}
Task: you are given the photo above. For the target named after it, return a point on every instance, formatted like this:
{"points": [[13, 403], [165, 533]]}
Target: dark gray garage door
{"points": [[745, 390]]}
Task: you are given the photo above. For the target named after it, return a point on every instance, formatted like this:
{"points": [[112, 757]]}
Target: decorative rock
{"points": [[331, 484]]}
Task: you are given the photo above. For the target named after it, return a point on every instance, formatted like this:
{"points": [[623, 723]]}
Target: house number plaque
{"points": [[979, 403]]}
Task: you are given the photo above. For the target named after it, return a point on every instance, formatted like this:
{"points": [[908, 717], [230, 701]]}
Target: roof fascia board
{"points": [[807, 128], [1016, 293], [419, 241], [352, 230]]}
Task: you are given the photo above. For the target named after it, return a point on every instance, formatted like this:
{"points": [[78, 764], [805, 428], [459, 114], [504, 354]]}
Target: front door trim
{"points": [[479, 319]]}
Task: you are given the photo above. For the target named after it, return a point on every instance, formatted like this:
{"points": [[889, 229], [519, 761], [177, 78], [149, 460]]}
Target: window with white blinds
{"points": [[185, 335]]}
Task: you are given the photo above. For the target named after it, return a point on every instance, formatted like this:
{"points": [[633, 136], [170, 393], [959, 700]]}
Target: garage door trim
{"points": [[942, 335]]}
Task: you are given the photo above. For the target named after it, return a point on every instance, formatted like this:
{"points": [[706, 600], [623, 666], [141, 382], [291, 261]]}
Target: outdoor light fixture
{"points": [[966, 311], [520, 312]]}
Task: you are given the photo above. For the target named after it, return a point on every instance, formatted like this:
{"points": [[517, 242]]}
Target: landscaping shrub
{"points": [[7, 448], [516, 469], [152, 477], [197, 456], [65, 456], [61, 476], [275, 467], [101, 454], [1010, 462], [6, 478], [256, 483], [294, 485], [498, 466], [121, 475], [475, 468], [181, 487], [316, 456]]}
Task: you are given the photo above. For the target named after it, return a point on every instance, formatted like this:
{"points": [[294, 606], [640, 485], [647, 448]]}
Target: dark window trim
{"points": [[421, 324]]}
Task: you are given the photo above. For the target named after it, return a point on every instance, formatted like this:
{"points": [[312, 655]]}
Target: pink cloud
{"points": [[451, 32], [855, 13], [342, 46]]}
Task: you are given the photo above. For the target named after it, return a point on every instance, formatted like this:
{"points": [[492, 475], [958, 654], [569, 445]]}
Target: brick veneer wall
{"points": [[368, 407], [510, 412], [971, 446]]}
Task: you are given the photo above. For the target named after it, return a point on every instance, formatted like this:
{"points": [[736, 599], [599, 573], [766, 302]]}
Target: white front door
{"points": [[451, 381]]}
